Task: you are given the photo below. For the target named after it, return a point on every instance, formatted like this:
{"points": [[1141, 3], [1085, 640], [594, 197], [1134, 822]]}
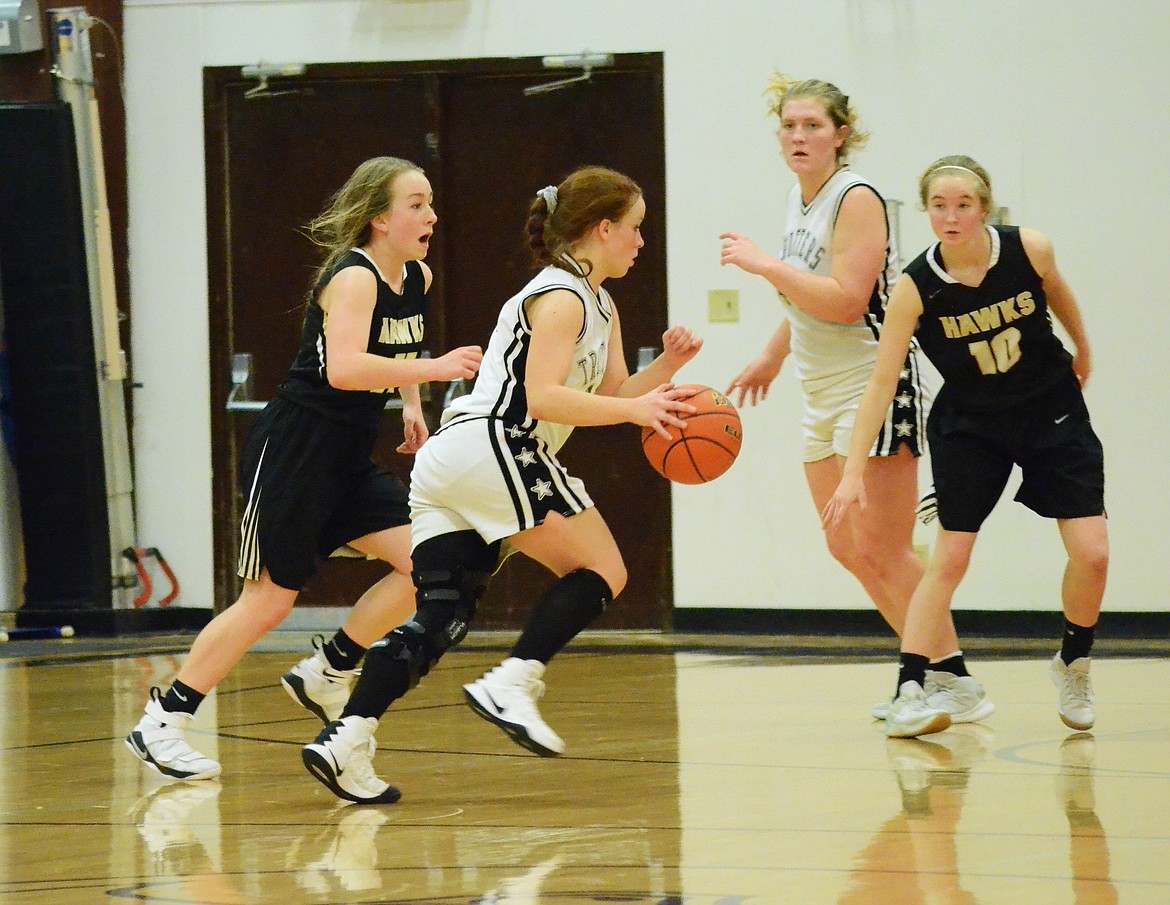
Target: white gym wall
{"points": [[1064, 101]]}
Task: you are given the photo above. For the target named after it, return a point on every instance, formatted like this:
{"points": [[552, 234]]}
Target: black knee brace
{"points": [[451, 573], [454, 566], [450, 584], [418, 644]]}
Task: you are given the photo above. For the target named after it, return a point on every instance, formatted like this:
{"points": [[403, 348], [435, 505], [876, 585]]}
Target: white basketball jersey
{"points": [[822, 348], [499, 390]]}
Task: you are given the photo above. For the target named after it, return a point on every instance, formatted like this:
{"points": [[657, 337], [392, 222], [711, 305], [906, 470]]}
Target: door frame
{"points": [[216, 82]]}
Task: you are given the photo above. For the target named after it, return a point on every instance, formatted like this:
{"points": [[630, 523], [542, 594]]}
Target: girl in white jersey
{"points": [[555, 361], [833, 276]]}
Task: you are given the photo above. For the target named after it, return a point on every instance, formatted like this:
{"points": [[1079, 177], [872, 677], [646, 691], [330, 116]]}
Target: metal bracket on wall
{"points": [[585, 61]]}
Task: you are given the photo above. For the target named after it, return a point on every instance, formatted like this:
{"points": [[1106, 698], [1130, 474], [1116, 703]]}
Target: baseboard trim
{"points": [[114, 623], [981, 623]]}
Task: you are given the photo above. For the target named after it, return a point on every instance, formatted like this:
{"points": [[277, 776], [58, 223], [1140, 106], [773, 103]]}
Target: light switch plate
{"points": [[723, 306]]}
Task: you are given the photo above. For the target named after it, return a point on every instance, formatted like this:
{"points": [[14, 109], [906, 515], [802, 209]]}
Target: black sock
{"points": [[911, 668], [954, 664], [450, 573], [568, 607], [1077, 642], [343, 652], [384, 679], [181, 698]]}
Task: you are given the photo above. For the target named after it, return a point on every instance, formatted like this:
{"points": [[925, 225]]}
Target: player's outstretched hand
{"points": [[754, 381], [680, 345], [462, 363], [850, 492], [660, 409], [743, 253]]}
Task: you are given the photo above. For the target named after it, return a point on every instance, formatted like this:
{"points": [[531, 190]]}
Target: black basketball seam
{"points": [[686, 444], [723, 409]]}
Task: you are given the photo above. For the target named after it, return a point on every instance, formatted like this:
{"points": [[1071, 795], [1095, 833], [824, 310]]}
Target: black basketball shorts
{"points": [[1050, 438], [309, 487]]}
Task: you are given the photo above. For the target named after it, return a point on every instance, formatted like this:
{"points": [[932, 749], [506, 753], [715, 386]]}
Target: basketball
{"points": [[708, 446]]}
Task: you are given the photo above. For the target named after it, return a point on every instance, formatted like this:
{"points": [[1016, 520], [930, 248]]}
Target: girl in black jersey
{"points": [[310, 485], [980, 301]]}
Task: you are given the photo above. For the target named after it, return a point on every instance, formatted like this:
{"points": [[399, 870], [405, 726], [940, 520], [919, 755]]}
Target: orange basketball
{"points": [[707, 447]]}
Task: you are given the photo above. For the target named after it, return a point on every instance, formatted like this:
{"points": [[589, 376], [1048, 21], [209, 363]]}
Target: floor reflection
{"points": [[913, 857], [342, 857], [179, 825], [693, 779], [1089, 846]]}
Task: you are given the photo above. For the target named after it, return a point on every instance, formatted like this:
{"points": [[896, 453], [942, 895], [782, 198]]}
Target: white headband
{"points": [[955, 166], [549, 194]]}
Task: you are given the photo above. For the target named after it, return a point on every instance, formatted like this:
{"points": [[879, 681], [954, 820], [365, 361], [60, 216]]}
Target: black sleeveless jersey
{"points": [[396, 331], [993, 344]]}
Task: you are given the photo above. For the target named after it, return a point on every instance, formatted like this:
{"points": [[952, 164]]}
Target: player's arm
{"points": [[754, 381], [414, 425], [859, 251], [617, 373], [898, 328], [1061, 300], [348, 302], [679, 345], [556, 319]]}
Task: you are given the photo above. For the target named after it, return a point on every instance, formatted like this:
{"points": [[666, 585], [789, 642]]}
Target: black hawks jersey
{"points": [[396, 331], [993, 344]]}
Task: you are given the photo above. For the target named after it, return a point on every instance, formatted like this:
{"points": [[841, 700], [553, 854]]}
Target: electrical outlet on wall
{"points": [[723, 306]]}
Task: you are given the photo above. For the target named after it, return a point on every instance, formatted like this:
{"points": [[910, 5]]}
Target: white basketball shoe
{"points": [[160, 741], [317, 686], [507, 696], [1076, 693], [342, 758]]}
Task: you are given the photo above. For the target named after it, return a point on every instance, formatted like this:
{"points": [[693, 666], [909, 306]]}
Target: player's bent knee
{"points": [[846, 554], [267, 607], [450, 575], [616, 577], [419, 644]]}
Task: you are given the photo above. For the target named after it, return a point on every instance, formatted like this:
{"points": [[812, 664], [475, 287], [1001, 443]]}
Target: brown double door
{"points": [[275, 156]]}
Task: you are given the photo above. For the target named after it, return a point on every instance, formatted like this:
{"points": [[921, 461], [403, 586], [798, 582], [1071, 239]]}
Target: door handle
{"points": [[240, 396]]}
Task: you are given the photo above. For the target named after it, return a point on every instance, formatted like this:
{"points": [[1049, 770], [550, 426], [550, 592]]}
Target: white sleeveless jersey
{"points": [[820, 348], [499, 390]]}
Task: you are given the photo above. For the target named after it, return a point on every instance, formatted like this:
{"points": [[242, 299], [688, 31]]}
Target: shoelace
{"points": [[361, 765], [1078, 686]]}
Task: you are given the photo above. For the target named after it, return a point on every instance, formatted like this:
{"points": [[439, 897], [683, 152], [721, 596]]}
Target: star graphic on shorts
{"points": [[904, 428], [526, 457], [515, 431], [542, 489], [905, 374], [904, 400]]}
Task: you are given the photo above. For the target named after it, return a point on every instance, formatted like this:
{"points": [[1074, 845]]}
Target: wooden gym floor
{"points": [[713, 771]]}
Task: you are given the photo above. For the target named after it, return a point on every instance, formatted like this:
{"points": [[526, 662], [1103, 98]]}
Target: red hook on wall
{"points": [[137, 556]]}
